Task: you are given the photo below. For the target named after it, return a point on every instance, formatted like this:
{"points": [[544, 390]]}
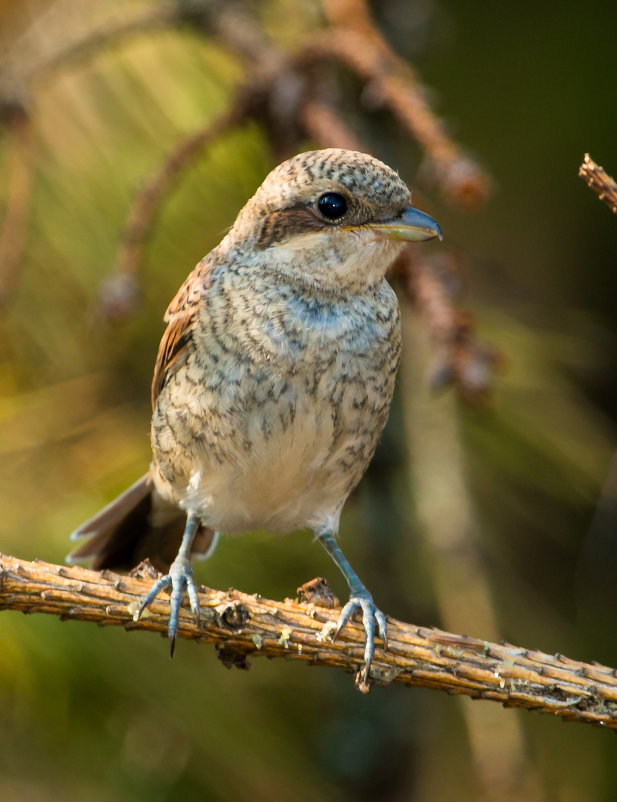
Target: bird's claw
{"points": [[180, 577], [361, 599]]}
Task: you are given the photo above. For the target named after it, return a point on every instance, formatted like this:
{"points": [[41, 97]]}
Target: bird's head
{"points": [[332, 220]]}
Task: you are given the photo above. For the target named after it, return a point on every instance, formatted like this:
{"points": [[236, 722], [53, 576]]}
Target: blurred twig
{"points": [[241, 625], [599, 181], [355, 40], [118, 293], [431, 280]]}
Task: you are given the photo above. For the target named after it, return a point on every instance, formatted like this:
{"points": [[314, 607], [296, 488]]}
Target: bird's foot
{"points": [[361, 599], [180, 578]]}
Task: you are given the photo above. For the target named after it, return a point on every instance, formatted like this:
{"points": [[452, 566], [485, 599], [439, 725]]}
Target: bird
{"points": [[273, 379]]}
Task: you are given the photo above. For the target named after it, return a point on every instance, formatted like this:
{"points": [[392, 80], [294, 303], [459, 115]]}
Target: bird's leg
{"points": [[359, 598], [180, 577]]}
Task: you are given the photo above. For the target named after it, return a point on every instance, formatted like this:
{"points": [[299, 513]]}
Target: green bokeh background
{"points": [[98, 714]]}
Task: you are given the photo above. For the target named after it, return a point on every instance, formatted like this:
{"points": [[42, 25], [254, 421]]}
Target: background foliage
{"points": [[97, 714]]}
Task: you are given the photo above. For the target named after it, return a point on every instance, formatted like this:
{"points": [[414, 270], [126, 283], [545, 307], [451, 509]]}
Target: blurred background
{"points": [[495, 519]]}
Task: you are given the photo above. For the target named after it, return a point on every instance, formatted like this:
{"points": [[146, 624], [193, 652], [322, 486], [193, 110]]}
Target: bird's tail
{"points": [[137, 525]]}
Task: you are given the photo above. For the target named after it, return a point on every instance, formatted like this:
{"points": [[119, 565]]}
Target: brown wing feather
{"points": [[172, 351], [180, 317]]}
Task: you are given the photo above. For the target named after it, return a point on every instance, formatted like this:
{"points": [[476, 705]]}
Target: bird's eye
{"points": [[332, 205]]}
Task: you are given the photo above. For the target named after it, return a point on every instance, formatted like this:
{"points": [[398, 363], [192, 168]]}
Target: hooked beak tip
{"points": [[411, 225]]}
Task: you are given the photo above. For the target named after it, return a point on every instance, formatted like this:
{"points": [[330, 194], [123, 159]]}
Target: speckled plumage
{"points": [[275, 374], [271, 415]]}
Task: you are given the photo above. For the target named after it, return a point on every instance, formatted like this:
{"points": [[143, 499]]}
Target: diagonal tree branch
{"points": [[240, 625], [353, 39], [432, 282], [118, 292]]}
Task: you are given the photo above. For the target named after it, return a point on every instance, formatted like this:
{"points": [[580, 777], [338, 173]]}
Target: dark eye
{"points": [[332, 205]]}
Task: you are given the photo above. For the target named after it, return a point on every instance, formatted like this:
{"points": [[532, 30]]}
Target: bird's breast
{"points": [[277, 415]]}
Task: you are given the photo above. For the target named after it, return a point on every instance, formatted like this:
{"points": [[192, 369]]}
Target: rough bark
{"points": [[241, 625]]}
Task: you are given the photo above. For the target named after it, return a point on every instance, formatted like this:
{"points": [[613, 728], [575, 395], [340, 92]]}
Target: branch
{"points": [[354, 39], [241, 625], [118, 292], [599, 181], [432, 282]]}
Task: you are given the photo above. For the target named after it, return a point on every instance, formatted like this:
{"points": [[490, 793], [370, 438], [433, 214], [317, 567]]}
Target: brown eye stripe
{"points": [[277, 226]]}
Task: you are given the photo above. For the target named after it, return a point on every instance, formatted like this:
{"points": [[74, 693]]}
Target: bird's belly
{"points": [[290, 476], [282, 456]]}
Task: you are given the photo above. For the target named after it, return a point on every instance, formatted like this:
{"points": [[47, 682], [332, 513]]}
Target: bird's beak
{"points": [[411, 225]]}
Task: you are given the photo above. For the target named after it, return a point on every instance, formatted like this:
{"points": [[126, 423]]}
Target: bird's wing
{"points": [[180, 316], [172, 351]]}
